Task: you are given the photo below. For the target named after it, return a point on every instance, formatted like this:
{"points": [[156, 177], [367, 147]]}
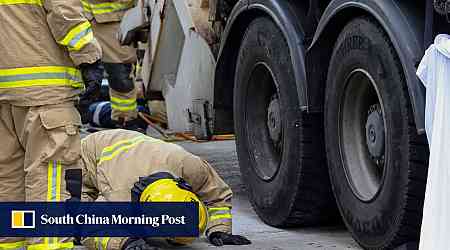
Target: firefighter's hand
{"points": [[90, 95], [137, 244], [92, 73], [92, 77], [221, 238]]}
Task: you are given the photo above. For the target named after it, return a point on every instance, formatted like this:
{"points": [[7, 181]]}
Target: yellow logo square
{"points": [[22, 219]]}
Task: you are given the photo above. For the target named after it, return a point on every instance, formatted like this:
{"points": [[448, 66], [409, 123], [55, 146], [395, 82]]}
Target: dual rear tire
{"points": [[371, 152], [282, 163], [376, 160]]}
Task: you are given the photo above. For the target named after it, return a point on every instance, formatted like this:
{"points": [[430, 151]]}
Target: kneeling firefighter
{"points": [[117, 162]]}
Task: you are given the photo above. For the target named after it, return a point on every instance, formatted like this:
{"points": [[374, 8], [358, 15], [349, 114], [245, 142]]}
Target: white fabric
{"points": [[98, 109], [434, 71]]}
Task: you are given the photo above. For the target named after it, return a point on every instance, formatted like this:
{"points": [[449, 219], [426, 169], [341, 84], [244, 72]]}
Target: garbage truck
{"points": [[324, 101]]}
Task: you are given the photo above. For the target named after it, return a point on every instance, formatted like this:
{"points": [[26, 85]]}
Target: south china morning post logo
{"points": [[84, 219], [23, 219]]}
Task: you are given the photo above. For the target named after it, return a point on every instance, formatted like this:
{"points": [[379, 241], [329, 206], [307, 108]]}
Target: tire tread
{"points": [[321, 207], [409, 228]]}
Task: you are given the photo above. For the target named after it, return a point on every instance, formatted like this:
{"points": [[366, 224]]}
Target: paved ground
{"points": [[222, 155]]}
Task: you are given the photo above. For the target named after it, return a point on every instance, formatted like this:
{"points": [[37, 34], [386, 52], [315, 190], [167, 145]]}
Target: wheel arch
{"points": [[289, 17], [403, 22]]}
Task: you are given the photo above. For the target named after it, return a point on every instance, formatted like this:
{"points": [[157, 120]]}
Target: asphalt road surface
{"points": [[222, 156]]}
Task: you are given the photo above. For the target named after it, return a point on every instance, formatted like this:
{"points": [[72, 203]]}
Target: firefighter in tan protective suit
{"points": [[47, 49], [116, 160], [118, 60]]}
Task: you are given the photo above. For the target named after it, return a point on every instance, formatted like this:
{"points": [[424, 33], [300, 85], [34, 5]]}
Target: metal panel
{"points": [[182, 66]]}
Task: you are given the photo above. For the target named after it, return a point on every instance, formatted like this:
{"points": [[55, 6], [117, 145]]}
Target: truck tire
{"points": [[377, 161], [280, 151]]}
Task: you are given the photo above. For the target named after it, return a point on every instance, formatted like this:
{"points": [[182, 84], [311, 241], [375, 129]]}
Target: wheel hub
{"points": [[375, 133], [274, 120], [362, 135], [263, 122]]}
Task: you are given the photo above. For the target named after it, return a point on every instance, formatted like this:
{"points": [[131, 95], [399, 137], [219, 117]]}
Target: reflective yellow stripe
{"points": [[108, 153], [108, 157], [105, 242], [54, 181], [218, 210], [54, 240], [55, 246], [78, 36], [113, 147], [58, 181], [103, 8], [43, 69], [123, 104], [86, 6], [220, 216], [40, 76], [123, 101], [53, 191], [13, 245], [49, 182], [42, 82], [212, 209], [124, 108], [12, 2], [101, 243], [219, 213]]}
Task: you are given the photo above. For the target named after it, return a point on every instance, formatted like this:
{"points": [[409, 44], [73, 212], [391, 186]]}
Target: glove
{"points": [[137, 244], [221, 238], [92, 77], [92, 73]]}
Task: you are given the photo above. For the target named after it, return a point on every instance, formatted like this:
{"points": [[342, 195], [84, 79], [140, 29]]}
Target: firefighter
{"points": [[118, 161], [47, 49], [118, 60]]}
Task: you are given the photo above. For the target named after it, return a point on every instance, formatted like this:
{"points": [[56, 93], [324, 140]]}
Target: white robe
{"points": [[434, 72]]}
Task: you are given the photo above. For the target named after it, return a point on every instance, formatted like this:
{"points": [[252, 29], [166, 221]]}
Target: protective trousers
{"points": [[39, 153], [122, 91]]}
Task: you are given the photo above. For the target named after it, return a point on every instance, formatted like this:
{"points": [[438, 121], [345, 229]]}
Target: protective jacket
{"points": [[105, 17], [42, 42], [115, 159], [107, 11]]}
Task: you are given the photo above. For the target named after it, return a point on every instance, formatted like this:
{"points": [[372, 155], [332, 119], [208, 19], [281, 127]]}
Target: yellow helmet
{"points": [[164, 187]]}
